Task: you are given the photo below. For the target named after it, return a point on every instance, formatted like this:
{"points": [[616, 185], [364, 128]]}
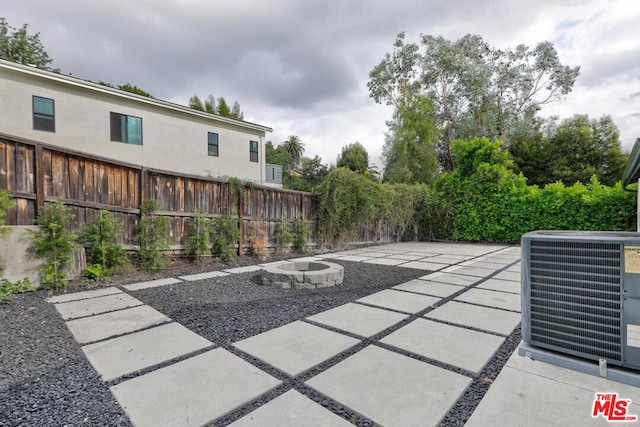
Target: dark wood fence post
{"points": [[39, 177], [241, 199]]}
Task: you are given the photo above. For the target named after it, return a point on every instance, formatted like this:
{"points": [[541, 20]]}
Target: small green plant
{"points": [[99, 239], [6, 201], [54, 243], [238, 196], [284, 235], [152, 236], [300, 235], [225, 236], [94, 272], [8, 289], [199, 240]]}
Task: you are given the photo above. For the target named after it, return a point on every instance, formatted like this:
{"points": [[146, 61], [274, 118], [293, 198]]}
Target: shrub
{"points": [[225, 237], [492, 203], [300, 235], [99, 239], [351, 206], [94, 272], [54, 243], [152, 236], [6, 201], [284, 235], [199, 239], [8, 288]]}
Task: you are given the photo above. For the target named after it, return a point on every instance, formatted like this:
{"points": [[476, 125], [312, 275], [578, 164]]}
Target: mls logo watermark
{"points": [[611, 408]]}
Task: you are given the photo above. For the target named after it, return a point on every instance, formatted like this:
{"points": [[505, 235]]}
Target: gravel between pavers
{"points": [[46, 380]]}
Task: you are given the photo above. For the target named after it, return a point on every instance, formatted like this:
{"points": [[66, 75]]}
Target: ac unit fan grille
{"points": [[575, 301]]}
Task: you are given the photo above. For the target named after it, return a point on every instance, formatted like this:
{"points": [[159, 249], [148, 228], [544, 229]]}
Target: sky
{"points": [[301, 66]]}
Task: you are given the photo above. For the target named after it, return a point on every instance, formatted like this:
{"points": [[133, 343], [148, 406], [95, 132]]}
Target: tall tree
{"points": [[409, 153], [219, 107], [223, 108], [313, 171], [355, 157], [580, 147], [236, 113], [128, 87], [295, 148], [477, 90], [17, 45], [571, 151]]}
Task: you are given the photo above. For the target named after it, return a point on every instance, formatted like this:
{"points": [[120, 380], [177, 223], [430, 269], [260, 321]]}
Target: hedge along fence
{"points": [[352, 208], [483, 200], [34, 173], [487, 201]]}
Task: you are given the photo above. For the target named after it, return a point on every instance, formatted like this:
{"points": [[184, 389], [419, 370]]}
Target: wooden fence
{"points": [[34, 173]]}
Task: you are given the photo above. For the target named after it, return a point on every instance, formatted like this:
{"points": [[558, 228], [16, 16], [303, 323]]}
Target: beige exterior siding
{"points": [[174, 137]]}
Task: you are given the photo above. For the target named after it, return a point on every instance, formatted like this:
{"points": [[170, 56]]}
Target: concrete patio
{"points": [[412, 351]]}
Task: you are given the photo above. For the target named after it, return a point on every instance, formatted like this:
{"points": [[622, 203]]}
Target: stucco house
{"points": [[96, 120]]}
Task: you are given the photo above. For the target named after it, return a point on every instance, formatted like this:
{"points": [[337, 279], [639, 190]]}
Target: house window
{"points": [[127, 129], [43, 114], [253, 151], [212, 144]]}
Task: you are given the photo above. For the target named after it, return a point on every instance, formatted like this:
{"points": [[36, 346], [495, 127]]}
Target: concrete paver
{"points": [[374, 254], [424, 265], [385, 261], [247, 269], [129, 353], [83, 295], [471, 271], [488, 264], [451, 278], [101, 326], [429, 287], [405, 256], [401, 301], [296, 347], [449, 258], [509, 275], [501, 285], [291, 409], [330, 255], [391, 389], [529, 393], [355, 258], [151, 284], [203, 276], [192, 392], [454, 345], [489, 319], [358, 319], [422, 253], [87, 307], [492, 299]]}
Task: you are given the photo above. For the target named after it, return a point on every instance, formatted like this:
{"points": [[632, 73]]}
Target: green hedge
{"points": [[350, 203], [483, 200], [491, 203]]}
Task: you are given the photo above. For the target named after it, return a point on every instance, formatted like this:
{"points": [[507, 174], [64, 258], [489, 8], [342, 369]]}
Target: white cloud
{"points": [[301, 66]]}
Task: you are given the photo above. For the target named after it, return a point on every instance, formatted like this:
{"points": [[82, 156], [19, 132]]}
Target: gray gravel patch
{"points": [[45, 380]]}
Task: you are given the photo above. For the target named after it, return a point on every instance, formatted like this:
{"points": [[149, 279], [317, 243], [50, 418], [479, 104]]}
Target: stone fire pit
{"points": [[303, 274]]}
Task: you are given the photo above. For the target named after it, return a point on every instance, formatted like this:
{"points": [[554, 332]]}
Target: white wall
{"points": [[172, 140]]}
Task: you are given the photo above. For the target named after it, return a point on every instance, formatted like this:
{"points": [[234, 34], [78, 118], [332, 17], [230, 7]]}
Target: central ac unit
{"points": [[581, 297]]}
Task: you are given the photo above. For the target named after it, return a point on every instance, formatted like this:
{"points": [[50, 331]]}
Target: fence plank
{"points": [[35, 174]]}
